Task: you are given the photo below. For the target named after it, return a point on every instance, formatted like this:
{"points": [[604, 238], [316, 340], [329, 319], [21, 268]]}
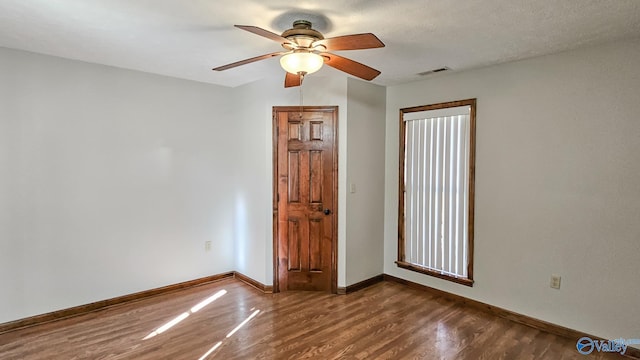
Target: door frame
{"points": [[334, 228]]}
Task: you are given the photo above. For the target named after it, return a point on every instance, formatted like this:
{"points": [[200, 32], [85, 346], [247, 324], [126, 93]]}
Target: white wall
{"points": [[557, 191], [112, 180], [365, 152], [8, 276]]}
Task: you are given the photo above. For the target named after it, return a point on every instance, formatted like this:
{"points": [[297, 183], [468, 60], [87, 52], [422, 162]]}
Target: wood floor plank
{"points": [[384, 321]]}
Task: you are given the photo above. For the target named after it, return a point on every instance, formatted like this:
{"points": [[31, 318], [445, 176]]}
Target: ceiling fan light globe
{"points": [[301, 62]]}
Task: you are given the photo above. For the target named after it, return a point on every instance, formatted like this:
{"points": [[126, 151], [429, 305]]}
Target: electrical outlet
{"points": [[207, 245], [555, 282]]}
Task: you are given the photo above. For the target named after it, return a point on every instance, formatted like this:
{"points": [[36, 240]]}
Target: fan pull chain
{"points": [[301, 95]]}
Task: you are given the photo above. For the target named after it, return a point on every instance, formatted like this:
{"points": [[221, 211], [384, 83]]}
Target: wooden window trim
{"points": [[423, 270], [401, 190]]}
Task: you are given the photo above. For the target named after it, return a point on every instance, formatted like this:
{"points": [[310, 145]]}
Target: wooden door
{"points": [[305, 198]]}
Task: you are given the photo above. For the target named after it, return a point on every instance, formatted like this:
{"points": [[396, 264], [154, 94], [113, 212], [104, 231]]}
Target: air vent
{"points": [[425, 73]]}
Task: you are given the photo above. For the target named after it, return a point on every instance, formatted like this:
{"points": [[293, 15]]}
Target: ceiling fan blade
{"points": [[350, 67], [350, 42], [247, 61], [291, 80], [264, 33]]}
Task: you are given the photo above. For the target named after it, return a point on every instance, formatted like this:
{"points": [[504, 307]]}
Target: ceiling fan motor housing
{"points": [[302, 34]]}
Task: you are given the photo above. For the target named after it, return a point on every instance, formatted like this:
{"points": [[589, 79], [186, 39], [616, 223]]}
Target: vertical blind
{"points": [[437, 189]]}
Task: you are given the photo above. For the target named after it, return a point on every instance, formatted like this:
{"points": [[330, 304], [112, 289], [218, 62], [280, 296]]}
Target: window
{"points": [[435, 216]]}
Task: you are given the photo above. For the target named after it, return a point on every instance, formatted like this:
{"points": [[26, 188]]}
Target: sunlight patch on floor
{"points": [[208, 301], [253, 314], [211, 350], [185, 315], [217, 345]]}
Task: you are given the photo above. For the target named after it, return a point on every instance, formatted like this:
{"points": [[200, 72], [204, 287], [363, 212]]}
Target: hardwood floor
{"points": [[384, 321]]}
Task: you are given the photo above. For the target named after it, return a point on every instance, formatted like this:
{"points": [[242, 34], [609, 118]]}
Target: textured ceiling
{"points": [[186, 38]]}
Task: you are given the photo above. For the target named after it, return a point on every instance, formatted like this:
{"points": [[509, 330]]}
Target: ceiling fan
{"points": [[306, 50]]}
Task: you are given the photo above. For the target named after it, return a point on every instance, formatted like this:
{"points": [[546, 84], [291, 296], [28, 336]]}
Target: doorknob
{"points": [[327, 211]]}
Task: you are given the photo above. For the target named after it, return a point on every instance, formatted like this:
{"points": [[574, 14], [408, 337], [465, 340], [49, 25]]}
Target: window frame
{"points": [[401, 262]]}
